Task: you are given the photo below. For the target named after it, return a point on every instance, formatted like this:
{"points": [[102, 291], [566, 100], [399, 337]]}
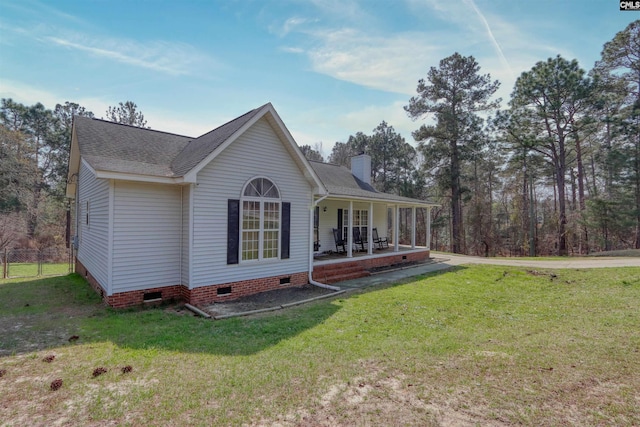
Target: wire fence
{"points": [[36, 262]]}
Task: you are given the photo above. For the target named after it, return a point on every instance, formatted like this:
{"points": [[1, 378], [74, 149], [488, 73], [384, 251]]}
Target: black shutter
{"points": [[233, 230], [286, 230], [340, 230]]}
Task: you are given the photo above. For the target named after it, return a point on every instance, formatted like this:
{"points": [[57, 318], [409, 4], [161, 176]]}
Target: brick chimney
{"points": [[361, 167]]}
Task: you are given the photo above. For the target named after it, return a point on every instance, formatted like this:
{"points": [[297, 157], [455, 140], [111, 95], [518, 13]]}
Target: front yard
{"points": [[476, 345]]}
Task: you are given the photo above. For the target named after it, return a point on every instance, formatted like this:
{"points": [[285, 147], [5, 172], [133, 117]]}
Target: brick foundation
{"points": [[234, 290], [201, 295], [81, 270], [209, 294]]}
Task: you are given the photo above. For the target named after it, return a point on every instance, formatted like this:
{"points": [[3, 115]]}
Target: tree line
{"points": [[34, 155], [556, 172]]}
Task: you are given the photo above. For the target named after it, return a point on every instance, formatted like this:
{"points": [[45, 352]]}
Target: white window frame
{"points": [[261, 200], [360, 216]]}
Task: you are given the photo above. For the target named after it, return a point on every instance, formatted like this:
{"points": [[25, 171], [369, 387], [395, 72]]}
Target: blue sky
{"points": [[331, 68]]}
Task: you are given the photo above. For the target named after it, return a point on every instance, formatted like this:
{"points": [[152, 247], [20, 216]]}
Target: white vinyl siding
{"points": [[93, 236], [258, 152], [147, 236]]}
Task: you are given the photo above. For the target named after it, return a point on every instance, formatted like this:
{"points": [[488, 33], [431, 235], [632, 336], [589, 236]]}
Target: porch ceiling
{"points": [[387, 199]]}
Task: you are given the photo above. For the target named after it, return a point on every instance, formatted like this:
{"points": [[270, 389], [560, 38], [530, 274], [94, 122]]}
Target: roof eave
{"points": [[74, 164], [292, 148], [296, 152], [123, 176], [191, 176], [381, 200]]}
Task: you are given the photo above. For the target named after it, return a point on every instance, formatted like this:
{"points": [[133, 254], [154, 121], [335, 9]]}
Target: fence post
{"points": [[4, 264], [71, 258], [39, 257]]}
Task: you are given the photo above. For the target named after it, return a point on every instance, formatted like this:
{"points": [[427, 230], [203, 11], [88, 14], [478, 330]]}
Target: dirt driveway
{"points": [[596, 262]]}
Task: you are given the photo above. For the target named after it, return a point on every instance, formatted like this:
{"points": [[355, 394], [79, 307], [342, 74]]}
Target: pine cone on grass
{"points": [[99, 371]]}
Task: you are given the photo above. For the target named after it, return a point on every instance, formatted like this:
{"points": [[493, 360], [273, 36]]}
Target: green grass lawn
{"points": [[30, 269], [479, 345]]}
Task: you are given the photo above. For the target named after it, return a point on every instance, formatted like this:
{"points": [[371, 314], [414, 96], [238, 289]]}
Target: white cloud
{"points": [[491, 37], [308, 131], [160, 120], [171, 58], [290, 25], [369, 117], [346, 10], [309, 138], [166, 57], [26, 94], [292, 49], [157, 119], [392, 63]]}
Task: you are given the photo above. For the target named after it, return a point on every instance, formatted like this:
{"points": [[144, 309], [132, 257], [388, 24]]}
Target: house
{"points": [[236, 211]]}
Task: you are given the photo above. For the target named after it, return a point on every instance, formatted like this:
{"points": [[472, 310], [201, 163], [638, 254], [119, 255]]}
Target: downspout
{"points": [[311, 212], [181, 229]]}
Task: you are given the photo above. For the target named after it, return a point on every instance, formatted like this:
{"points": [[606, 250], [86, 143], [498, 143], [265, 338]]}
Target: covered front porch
{"points": [[333, 268], [353, 237]]}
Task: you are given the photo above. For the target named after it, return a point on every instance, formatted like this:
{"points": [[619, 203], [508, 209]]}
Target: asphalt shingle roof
{"points": [[115, 147], [339, 181], [121, 148]]}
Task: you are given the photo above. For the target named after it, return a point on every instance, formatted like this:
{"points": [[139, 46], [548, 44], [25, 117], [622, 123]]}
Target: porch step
{"points": [[334, 273], [342, 277]]}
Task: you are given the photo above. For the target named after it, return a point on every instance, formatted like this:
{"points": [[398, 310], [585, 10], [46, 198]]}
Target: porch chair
{"points": [[341, 247], [364, 234], [382, 242], [357, 239]]}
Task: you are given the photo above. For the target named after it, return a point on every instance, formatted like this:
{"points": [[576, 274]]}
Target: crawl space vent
{"points": [[224, 291]]}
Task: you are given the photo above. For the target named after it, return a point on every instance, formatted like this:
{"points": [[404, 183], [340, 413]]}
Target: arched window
{"points": [[260, 225]]}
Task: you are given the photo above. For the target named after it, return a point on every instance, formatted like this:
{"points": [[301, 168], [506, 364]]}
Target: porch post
{"points": [[350, 231], [428, 237], [369, 228], [413, 227], [396, 228]]}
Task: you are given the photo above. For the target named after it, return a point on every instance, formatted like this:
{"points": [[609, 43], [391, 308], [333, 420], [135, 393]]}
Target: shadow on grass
{"points": [[46, 313]]}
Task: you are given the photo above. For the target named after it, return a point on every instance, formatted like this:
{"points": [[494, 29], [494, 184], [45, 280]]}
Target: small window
{"points": [[86, 213], [261, 187]]}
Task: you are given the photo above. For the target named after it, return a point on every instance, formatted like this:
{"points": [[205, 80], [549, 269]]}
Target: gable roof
{"points": [[199, 148], [122, 148], [115, 150], [341, 183]]}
